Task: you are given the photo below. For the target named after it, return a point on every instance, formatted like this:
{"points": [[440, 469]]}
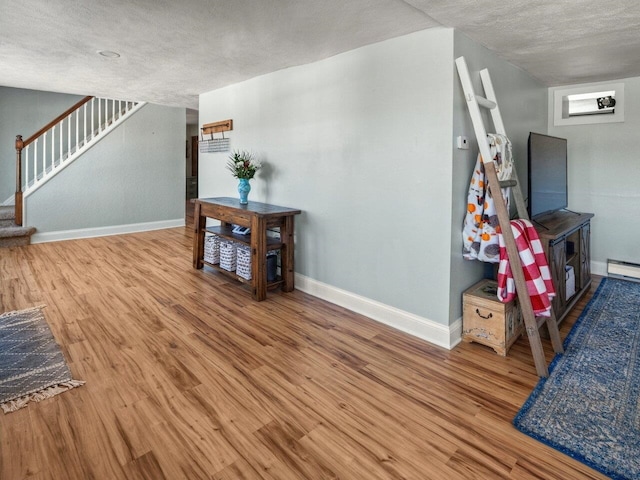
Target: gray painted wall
{"points": [[604, 178], [134, 175], [23, 112], [364, 143], [523, 105], [361, 142]]}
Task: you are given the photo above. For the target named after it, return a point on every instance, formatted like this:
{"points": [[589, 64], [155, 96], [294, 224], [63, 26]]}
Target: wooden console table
{"points": [[259, 217]]}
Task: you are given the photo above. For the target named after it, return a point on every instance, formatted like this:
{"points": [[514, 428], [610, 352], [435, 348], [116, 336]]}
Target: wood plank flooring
{"points": [[188, 378]]}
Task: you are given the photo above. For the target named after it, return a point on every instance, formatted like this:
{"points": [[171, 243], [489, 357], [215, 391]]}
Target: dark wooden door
{"points": [[585, 255], [194, 156], [557, 261], [192, 181]]}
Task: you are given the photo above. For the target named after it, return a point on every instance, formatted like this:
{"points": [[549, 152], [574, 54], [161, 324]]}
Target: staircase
{"points": [[12, 235], [51, 149]]}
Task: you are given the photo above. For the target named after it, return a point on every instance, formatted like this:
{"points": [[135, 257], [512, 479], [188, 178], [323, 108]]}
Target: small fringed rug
{"points": [[32, 366]]}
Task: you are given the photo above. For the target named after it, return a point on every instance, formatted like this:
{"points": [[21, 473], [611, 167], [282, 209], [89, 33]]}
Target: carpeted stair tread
{"points": [[12, 235], [7, 216], [16, 231], [7, 213]]}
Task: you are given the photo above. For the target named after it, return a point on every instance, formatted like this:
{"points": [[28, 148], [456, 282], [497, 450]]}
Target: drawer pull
{"points": [[482, 316]]}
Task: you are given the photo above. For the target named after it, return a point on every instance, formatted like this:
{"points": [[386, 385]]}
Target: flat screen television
{"points": [[547, 174]]}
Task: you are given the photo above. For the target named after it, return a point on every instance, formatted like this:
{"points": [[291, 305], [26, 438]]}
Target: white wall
{"points": [[603, 178], [523, 105], [135, 175], [23, 112], [361, 143]]}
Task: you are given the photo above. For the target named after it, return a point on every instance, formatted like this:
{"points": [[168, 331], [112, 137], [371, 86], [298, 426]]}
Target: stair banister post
{"points": [[18, 197]]}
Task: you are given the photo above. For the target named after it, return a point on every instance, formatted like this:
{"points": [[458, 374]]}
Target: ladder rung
{"points": [[483, 102], [508, 183]]}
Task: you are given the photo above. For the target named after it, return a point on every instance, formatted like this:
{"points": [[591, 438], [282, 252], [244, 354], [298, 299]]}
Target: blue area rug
{"points": [[32, 366], [588, 408]]}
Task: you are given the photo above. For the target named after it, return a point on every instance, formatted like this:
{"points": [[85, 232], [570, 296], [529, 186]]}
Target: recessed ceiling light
{"points": [[108, 53]]}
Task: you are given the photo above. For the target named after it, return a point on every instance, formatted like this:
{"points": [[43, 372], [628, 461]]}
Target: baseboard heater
{"points": [[624, 270]]}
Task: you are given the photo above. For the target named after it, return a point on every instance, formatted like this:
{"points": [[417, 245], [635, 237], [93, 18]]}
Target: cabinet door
{"points": [[585, 255], [557, 262]]}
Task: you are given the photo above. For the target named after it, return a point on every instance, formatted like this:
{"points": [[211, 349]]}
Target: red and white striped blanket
{"points": [[534, 266]]}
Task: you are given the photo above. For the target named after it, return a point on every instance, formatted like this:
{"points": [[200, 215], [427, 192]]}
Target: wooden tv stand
{"points": [[259, 217], [565, 238]]}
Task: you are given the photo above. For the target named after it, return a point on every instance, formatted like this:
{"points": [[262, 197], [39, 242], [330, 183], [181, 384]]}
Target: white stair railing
{"points": [[53, 148]]}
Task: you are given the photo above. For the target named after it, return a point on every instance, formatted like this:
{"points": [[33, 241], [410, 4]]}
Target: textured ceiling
{"points": [[173, 51], [560, 42]]}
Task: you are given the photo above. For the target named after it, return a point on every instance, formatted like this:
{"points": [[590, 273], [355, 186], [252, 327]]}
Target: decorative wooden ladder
{"points": [[474, 102]]}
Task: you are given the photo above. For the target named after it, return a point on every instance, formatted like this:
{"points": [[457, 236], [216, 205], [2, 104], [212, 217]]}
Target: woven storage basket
{"points": [[243, 265], [212, 249], [228, 252]]}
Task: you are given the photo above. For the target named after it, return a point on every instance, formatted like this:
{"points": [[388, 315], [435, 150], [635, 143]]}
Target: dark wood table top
{"points": [[258, 208]]}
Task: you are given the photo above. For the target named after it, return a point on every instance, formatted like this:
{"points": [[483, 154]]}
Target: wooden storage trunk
{"points": [[487, 320]]}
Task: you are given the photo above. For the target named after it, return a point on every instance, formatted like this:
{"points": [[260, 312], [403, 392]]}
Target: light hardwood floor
{"points": [[187, 377]]}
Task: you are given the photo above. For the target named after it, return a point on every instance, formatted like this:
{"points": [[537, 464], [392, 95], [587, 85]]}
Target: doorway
{"points": [[192, 178]]}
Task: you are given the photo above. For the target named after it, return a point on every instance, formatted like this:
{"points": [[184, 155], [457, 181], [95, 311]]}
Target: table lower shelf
{"points": [[273, 243], [235, 276]]}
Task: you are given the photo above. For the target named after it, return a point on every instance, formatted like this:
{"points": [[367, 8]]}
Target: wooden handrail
{"points": [[56, 120]]}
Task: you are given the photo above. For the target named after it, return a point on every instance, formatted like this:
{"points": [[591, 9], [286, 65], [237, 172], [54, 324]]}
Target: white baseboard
{"points": [[9, 201], [433, 332], [599, 268], [105, 231], [424, 328]]}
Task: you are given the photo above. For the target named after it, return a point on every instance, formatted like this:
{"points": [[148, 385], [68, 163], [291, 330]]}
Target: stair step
{"points": [[16, 231], [7, 216], [15, 236], [7, 212]]}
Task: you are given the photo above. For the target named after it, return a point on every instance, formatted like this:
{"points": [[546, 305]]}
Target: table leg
{"points": [[287, 255], [200, 224], [258, 258]]}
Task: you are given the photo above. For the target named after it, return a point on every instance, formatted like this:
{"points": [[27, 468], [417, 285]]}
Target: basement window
{"points": [[603, 103]]}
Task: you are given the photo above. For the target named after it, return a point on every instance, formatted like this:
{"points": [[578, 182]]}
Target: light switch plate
{"points": [[463, 143]]}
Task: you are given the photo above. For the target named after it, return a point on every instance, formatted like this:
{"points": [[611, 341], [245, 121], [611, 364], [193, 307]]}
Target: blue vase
{"points": [[244, 187]]}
